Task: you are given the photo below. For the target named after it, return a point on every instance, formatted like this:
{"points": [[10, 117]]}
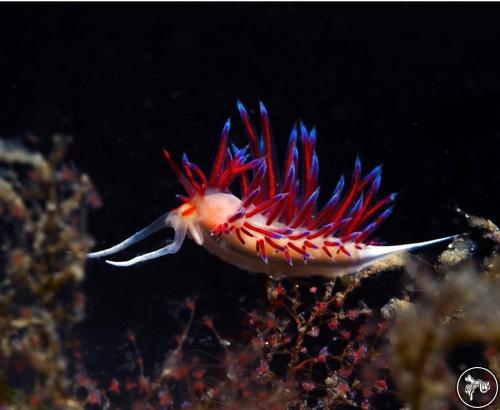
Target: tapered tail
{"points": [[379, 251]]}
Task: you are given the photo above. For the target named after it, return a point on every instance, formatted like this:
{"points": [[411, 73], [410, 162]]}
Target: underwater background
{"points": [[413, 86]]}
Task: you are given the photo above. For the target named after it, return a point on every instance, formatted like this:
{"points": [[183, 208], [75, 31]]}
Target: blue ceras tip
{"points": [[333, 199], [312, 135], [357, 166], [227, 126], [315, 164], [376, 184], [239, 151], [263, 166], [263, 109], [241, 107], [340, 185], [357, 206], [375, 172], [370, 227], [313, 196], [303, 131], [293, 135], [386, 213]]}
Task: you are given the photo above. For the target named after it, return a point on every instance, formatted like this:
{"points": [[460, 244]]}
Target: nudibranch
{"points": [[275, 226]]}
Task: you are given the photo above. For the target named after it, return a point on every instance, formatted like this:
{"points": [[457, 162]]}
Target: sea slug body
{"points": [[275, 226]]}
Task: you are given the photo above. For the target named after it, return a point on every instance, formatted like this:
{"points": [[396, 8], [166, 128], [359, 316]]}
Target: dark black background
{"points": [[413, 86]]}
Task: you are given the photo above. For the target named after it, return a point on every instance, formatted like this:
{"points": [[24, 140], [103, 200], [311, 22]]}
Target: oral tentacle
{"points": [[173, 247], [149, 230]]}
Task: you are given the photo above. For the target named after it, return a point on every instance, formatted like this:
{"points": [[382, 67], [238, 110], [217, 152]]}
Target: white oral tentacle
{"points": [[149, 230], [180, 228]]}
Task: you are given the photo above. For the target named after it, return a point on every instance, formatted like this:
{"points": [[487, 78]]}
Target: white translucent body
{"points": [[214, 209]]}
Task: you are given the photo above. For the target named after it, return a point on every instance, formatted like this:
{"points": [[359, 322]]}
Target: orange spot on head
{"points": [[189, 211]]}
